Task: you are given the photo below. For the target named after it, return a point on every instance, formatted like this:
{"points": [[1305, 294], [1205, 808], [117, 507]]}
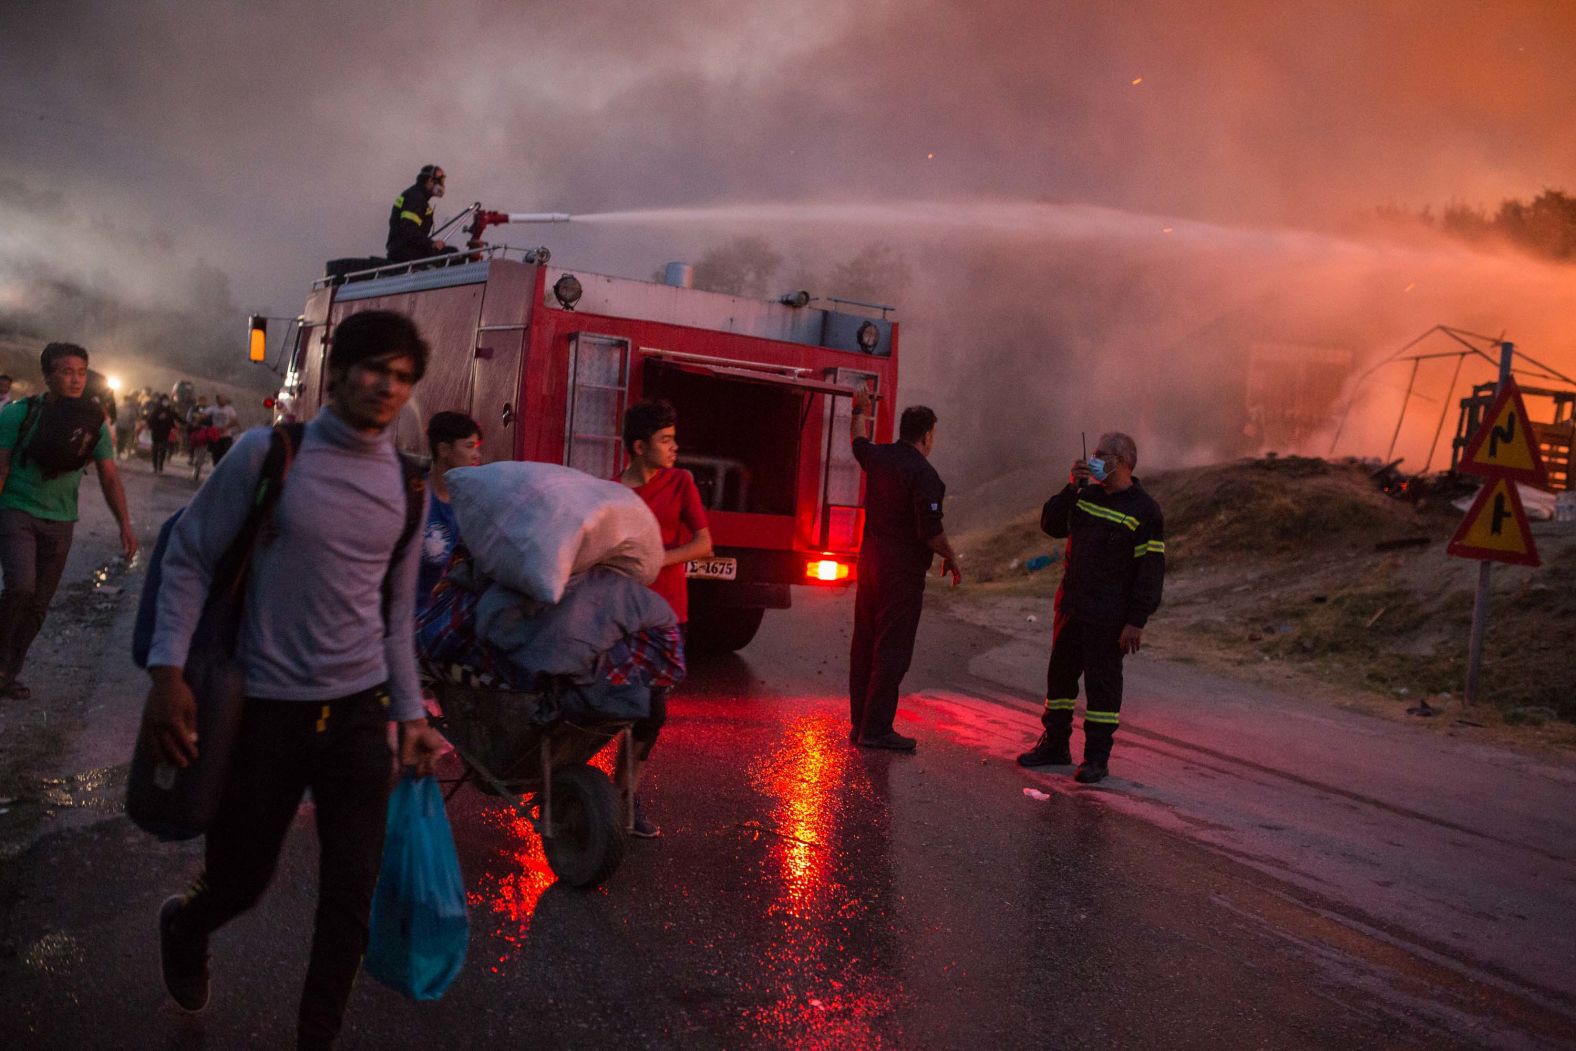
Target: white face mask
{"points": [[437, 188]]}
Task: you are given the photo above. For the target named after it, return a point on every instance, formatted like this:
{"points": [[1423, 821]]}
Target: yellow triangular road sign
{"points": [[1504, 446], [1496, 527]]}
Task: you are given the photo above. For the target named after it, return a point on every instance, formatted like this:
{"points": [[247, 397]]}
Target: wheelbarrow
{"points": [[544, 771]]}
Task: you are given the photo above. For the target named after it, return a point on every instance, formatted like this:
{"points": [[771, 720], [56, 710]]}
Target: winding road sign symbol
{"points": [[1504, 447]]}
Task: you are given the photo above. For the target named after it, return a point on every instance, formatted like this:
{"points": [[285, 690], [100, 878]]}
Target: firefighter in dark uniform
{"points": [[903, 495], [1115, 566], [410, 219]]}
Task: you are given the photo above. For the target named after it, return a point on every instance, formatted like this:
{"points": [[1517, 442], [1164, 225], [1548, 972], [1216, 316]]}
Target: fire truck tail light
{"points": [[827, 570]]}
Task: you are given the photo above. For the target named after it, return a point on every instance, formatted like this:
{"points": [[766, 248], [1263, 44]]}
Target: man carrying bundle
{"points": [[46, 441], [326, 646]]}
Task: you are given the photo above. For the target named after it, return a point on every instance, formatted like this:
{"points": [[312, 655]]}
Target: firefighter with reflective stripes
{"points": [[410, 219], [1114, 569]]}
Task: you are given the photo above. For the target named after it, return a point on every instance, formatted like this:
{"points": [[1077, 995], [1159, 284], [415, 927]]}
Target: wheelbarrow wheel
{"points": [[587, 844]]}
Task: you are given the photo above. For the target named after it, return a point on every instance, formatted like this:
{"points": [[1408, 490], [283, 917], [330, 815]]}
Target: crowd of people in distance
{"points": [[182, 421]]}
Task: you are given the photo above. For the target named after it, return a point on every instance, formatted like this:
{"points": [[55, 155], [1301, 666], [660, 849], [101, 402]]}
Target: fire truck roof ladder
{"points": [[748, 371], [678, 356]]}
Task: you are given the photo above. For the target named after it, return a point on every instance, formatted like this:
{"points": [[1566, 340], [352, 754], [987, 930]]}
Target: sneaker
{"points": [[184, 961], [892, 742], [1047, 753], [643, 828], [1090, 773]]}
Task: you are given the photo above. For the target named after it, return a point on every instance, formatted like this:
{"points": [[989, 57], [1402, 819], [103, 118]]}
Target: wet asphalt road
{"points": [[807, 894]]}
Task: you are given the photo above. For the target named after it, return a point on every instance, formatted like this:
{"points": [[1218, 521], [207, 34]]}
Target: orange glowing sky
{"points": [[216, 126], [176, 156]]}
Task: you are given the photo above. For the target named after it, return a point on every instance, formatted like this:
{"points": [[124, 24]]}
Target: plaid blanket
{"points": [[654, 657], [446, 640]]}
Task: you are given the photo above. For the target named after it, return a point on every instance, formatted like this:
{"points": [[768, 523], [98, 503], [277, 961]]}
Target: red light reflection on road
{"points": [[511, 889], [515, 883], [802, 817], [829, 999]]}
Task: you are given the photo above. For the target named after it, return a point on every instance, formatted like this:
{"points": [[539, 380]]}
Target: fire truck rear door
{"points": [[500, 348]]}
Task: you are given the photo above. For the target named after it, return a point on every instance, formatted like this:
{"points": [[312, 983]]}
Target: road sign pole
{"points": [[1480, 604], [1479, 625]]}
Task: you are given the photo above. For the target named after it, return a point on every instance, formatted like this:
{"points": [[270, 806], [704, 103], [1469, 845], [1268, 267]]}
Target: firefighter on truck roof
{"points": [[410, 219]]}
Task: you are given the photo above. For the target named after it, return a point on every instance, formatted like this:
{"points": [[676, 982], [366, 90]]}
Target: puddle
{"points": [[56, 954], [87, 606], [101, 791]]}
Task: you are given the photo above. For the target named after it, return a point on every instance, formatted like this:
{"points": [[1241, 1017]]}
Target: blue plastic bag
{"points": [[419, 927]]}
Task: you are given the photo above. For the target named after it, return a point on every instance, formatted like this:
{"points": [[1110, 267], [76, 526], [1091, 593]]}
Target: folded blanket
{"points": [[599, 608], [608, 629]]}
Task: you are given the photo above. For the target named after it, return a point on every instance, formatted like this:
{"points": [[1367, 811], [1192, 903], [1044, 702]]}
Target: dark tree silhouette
{"points": [[743, 266], [1544, 226]]}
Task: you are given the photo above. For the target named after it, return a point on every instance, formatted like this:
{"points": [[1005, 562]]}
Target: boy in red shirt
{"points": [[650, 436]]}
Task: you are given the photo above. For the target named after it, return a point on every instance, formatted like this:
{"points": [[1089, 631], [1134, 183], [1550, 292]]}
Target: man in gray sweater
{"points": [[326, 668]]}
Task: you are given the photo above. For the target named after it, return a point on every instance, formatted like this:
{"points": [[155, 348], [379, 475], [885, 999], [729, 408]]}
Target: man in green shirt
{"points": [[38, 511]]}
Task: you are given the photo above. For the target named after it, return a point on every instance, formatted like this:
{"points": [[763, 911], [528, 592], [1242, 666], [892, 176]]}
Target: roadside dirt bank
{"points": [[1300, 573]]}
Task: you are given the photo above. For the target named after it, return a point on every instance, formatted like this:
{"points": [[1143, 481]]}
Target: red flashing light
{"points": [[826, 570]]}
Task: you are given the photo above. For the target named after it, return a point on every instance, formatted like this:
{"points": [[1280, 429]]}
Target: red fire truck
{"points": [[546, 358]]}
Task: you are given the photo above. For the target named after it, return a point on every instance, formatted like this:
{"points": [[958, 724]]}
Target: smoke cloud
{"points": [[1055, 143]]}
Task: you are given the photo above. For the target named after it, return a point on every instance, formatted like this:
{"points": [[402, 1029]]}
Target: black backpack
{"points": [[66, 431], [176, 804], [230, 574]]}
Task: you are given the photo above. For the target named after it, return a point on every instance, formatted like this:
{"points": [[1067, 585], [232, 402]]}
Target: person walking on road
{"points": [[328, 653], [227, 422], [126, 427], [1115, 567], [903, 533], [651, 439], [163, 425], [46, 442]]}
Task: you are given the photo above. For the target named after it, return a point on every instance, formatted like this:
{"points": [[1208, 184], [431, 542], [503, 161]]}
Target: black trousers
{"points": [[161, 452], [886, 618], [340, 751], [218, 448], [33, 554], [1092, 651]]}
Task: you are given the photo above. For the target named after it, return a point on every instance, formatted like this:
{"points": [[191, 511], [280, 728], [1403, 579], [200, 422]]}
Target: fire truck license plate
{"points": [[713, 568]]}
